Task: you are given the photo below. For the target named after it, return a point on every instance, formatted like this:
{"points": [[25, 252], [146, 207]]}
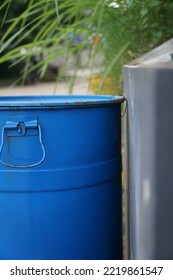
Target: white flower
{"points": [[114, 4]]}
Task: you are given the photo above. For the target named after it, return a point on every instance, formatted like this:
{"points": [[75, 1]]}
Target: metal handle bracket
{"points": [[22, 128]]}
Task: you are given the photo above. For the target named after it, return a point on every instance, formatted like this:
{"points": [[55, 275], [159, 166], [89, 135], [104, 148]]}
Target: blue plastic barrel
{"points": [[60, 174]]}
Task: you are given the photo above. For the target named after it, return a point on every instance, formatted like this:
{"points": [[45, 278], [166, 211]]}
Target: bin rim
{"points": [[58, 100]]}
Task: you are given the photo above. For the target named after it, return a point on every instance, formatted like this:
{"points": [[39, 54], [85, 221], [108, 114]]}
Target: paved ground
{"points": [[52, 88]]}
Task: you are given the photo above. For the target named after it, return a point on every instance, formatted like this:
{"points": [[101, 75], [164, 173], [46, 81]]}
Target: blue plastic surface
{"points": [[69, 205]]}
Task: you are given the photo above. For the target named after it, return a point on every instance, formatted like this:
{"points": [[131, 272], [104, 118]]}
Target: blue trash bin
{"points": [[60, 174]]}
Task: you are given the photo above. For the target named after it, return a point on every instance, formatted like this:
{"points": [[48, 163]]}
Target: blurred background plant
{"points": [[102, 35]]}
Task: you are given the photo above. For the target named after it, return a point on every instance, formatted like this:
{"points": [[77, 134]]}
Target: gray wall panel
{"points": [[149, 91]]}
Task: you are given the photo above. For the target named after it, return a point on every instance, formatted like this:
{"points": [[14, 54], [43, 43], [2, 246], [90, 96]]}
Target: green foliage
{"points": [[126, 29], [144, 24]]}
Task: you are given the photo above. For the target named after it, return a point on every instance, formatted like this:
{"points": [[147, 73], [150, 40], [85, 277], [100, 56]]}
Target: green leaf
{"points": [[116, 58]]}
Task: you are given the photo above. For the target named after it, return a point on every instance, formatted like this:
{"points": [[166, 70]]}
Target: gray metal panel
{"points": [[162, 53], [149, 90]]}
